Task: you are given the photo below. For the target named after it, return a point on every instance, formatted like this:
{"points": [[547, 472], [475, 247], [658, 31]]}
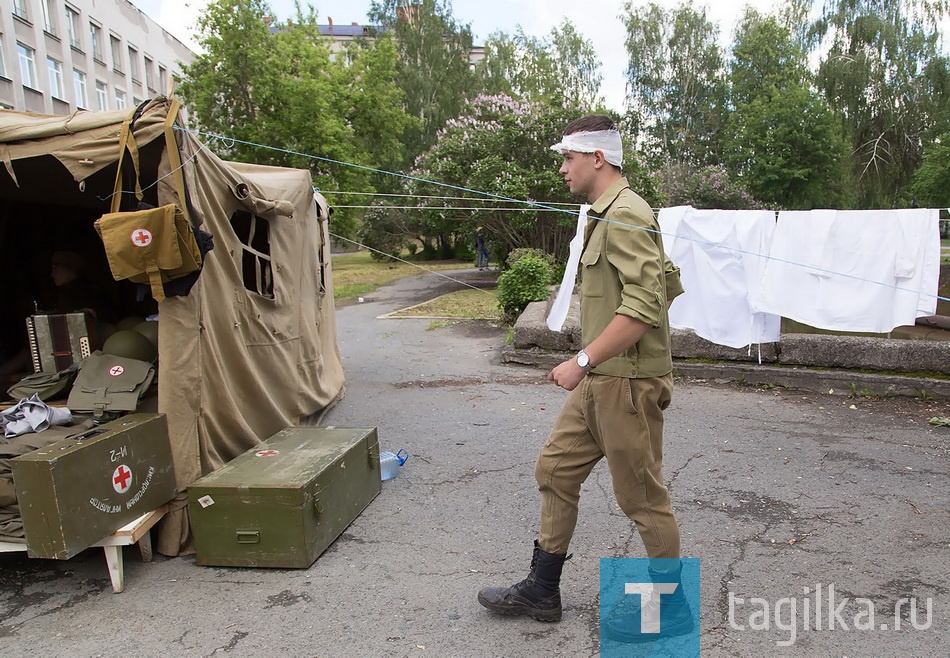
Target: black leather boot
{"points": [[538, 595], [670, 613]]}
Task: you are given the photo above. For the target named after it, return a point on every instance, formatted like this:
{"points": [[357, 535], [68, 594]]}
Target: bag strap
{"points": [[126, 143], [174, 157]]}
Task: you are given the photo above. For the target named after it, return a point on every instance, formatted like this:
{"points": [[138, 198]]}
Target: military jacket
{"points": [[624, 271]]}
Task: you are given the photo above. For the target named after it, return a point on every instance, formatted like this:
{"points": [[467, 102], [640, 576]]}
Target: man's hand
{"points": [[567, 375]]}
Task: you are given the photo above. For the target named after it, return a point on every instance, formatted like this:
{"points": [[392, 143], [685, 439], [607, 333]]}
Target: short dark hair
{"points": [[590, 123]]}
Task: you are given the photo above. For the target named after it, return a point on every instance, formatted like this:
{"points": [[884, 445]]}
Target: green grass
{"points": [[465, 304], [357, 273]]}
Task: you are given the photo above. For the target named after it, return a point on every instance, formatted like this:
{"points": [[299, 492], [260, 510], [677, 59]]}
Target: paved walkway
{"points": [[774, 492]]}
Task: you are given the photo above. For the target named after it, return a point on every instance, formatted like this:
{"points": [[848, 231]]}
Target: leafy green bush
{"points": [[526, 280], [517, 254]]}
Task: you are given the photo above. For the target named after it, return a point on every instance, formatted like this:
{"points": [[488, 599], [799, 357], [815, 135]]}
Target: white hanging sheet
{"points": [[852, 270], [717, 252]]}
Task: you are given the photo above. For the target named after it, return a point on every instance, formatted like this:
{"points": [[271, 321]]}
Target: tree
{"points": [[786, 147], [676, 89], [709, 187], [562, 68], [433, 65], [499, 146], [781, 138], [373, 106], [283, 91], [931, 186], [884, 73], [764, 56]]}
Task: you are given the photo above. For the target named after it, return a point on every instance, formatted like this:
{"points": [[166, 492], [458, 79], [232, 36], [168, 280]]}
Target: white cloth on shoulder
{"points": [[562, 302]]}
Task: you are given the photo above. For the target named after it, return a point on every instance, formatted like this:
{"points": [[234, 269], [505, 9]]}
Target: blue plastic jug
{"points": [[389, 463]]}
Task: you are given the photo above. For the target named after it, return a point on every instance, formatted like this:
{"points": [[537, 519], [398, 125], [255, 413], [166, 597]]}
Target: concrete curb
{"points": [[834, 381], [817, 363]]}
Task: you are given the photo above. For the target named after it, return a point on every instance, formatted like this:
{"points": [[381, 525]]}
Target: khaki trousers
{"points": [[620, 419]]}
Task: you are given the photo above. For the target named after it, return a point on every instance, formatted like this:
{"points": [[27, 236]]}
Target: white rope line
{"points": [[448, 208], [430, 196]]}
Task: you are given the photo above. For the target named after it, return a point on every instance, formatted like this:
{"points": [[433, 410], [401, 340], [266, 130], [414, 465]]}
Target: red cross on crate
{"points": [[141, 237], [121, 478], [266, 453]]}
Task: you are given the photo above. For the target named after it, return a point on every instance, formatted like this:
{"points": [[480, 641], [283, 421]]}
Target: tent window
{"points": [[254, 234]]}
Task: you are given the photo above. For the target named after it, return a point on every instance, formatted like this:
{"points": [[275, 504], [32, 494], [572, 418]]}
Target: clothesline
{"points": [[230, 141], [431, 196], [447, 208]]}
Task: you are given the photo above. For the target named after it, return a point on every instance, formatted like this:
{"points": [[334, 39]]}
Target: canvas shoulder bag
{"points": [[148, 245]]}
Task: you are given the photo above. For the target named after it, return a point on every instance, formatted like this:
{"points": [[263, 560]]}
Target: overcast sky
{"points": [[597, 20]]}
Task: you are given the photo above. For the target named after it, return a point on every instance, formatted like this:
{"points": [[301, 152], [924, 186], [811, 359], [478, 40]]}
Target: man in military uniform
{"points": [[619, 384]]}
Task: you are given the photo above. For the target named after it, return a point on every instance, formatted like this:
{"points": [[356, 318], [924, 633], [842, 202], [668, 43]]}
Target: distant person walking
{"points": [[481, 249]]}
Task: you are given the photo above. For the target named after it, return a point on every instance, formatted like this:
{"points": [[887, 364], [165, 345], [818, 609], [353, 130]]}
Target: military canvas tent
{"points": [[252, 347]]}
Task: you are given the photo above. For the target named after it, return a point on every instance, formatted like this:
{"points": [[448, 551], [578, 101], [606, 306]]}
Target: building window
{"points": [[95, 34], [48, 16], [72, 24], [55, 78], [27, 65], [119, 99], [19, 9], [79, 86], [116, 47], [102, 96], [3, 64], [162, 80], [134, 64], [149, 74]]}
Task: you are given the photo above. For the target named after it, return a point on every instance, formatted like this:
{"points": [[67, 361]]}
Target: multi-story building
{"points": [[58, 56], [340, 35]]}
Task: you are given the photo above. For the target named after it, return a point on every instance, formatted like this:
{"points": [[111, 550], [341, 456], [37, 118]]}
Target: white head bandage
{"points": [[606, 141]]}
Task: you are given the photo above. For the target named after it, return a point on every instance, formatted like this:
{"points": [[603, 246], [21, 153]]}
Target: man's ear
{"points": [[599, 159]]}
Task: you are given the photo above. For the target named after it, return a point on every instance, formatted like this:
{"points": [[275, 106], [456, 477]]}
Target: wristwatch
{"points": [[584, 361]]}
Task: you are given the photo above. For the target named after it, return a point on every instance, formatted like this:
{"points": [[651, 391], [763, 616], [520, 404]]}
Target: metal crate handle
{"points": [[248, 536]]}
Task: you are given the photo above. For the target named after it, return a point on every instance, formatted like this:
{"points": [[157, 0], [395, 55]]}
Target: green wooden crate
{"points": [[78, 491], [282, 503]]}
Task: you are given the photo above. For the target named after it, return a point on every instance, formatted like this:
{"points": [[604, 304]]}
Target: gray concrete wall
{"points": [[813, 362]]}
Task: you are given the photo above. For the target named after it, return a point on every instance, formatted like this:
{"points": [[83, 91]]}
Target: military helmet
{"points": [[149, 329], [131, 345], [130, 322], [106, 329]]}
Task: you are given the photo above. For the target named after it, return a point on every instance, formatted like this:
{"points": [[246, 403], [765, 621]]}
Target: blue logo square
{"points": [[649, 607]]}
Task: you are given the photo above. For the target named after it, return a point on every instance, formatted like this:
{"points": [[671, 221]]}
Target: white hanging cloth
{"points": [[718, 253], [562, 302], [864, 270]]}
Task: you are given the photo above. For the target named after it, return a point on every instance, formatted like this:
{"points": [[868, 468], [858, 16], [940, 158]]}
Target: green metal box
{"points": [[78, 491], [282, 503]]}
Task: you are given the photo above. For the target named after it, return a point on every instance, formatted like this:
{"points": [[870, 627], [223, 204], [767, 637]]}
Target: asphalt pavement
{"points": [[775, 492]]}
